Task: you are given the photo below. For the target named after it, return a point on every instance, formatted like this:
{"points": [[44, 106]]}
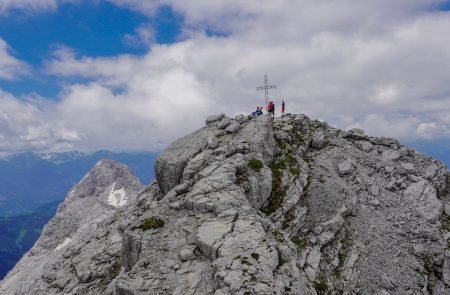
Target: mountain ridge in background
{"points": [[30, 180], [32, 185]]}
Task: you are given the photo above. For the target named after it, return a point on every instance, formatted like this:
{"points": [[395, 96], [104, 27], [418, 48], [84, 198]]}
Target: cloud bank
{"points": [[378, 65], [10, 67]]}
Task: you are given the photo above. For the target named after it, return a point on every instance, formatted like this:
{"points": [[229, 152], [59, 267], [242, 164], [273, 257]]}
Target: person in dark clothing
{"points": [[259, 111], [283, 105], [271, 109]]}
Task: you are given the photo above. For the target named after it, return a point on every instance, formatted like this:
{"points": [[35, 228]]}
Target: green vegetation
{"points": [[151, 223], [278, 236], [346, 242], [281, 144], [256, 165], [291, 160], [295, 171], [255, 256], [345, 249], [19, 233], [278, 191], [321, 286], [300, 242], [220, 135], [145, 264], [288, 217]]}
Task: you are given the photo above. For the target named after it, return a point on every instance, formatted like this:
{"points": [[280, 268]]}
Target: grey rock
{"points": [[356, 133], [318, 141], [345, 167], [409, 167], [214, 118], [424, 198], [233, 127], [170, 164], [131, 248], [224, 123], [287, 128], [363, 214], [241, 119], [390, 155], [283, 135], [186, 254], [447, 209], [366, 146]]}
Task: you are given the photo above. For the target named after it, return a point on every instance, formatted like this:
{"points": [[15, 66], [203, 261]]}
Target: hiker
{"points": [[283, 105], [271, 109], [259, 111]]}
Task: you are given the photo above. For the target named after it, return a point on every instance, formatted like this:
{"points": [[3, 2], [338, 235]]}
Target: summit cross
{"points": [[266, 88]]}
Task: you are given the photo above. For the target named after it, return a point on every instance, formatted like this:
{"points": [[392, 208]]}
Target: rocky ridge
{"points": [[253, 206]]}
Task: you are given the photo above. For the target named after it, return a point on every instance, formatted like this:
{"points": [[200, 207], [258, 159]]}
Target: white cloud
{"points": [[31, 6], [28, 5], [10, 67], [31, 125], [144, 35], [379, 65]]}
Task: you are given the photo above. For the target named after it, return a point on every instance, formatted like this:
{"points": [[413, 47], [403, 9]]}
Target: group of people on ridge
{"points": [[270, 109]]}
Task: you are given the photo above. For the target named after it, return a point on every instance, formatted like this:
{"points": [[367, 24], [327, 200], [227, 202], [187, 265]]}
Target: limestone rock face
{"points": [[253, 206], [76, 248]]}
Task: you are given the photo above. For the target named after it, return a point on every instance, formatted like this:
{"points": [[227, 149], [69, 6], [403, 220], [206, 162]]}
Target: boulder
{"points": [[214, 118], [233, 127]]}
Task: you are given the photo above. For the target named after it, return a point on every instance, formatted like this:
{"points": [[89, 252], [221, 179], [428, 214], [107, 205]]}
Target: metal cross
{"points": [[266, 88]]}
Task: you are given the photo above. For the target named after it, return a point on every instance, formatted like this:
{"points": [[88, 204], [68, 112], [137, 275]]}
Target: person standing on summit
{"points": [[271, 109], [282, 107]]}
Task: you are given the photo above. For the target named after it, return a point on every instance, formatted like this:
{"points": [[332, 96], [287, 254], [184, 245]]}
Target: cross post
{"points": [[266, 88]]}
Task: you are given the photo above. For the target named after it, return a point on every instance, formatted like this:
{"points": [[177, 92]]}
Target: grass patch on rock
{"points": [[151, 223], [278, 236], [281, 144], [300, 242], [295, 171], [278, 190], [290, 159], [321, 286], [288, 217], [255, 165]]}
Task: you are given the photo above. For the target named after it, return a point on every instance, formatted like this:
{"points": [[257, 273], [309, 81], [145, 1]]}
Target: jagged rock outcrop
{"points": [[256, 206], [77, 250]]}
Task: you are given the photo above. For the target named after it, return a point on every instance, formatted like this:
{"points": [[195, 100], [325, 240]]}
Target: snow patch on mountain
{"points": [[117, 198]]}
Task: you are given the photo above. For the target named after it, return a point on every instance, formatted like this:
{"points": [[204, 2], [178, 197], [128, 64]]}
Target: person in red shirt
{"points": [[271, 109]]}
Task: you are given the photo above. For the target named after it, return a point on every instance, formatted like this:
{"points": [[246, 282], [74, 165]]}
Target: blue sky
{"points": [[135, 75], [91, 29]]}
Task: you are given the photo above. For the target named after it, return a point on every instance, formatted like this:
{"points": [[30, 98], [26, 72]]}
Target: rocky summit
{"points": [[252, 206]]}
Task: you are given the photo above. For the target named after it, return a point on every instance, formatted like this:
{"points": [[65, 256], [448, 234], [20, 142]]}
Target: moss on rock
{"points": [[151, 223], [256, 165]]}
